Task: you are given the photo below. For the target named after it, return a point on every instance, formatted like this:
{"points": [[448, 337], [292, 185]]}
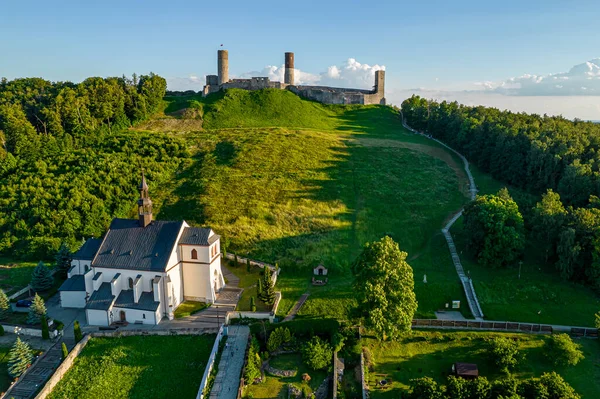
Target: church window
{"points": [[143, 315], [194, 254]]}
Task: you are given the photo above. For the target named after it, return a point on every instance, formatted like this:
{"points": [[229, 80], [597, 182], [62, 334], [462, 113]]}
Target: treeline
{"points": [[539, 154], [66, 168], [40, 118]]}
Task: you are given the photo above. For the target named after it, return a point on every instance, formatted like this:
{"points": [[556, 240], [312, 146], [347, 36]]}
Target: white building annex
{"points": [[141, 270]]}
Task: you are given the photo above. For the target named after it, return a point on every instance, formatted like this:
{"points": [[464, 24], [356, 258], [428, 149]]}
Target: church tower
{"points": [[144, 204]]}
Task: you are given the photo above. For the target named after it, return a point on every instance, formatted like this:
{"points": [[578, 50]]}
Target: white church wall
{"points": [[134, 315], [123, 282], [97, 317], [72, 299], [175, 274], [203, 253], [196, 280], [80, 265]]}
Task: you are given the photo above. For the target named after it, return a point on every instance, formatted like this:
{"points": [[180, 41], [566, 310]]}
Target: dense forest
{"points": [[553, 156], [66, 168]]}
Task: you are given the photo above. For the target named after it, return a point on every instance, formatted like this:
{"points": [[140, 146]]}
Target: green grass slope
{"points": [[311, 183]]}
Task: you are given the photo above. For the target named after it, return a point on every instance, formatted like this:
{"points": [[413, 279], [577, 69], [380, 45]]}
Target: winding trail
{"points": [[466, 281]]}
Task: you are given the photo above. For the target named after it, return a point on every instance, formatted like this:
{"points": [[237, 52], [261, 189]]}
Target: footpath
{"points": [[465, 280], [227, 381]]}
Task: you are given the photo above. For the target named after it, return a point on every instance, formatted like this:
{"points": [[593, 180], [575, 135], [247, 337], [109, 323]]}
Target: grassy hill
{"points": [[300, 183]]}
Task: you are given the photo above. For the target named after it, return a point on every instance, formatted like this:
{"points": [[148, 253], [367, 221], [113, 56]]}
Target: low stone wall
{"points": [[30, 332], [323, 389], [363, 383], [255, 315], [211, 362], [257, 263], [280, 373], [63, 368], [20, 292], [173, 331]]}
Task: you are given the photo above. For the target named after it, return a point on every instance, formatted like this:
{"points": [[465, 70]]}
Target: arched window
{"points": [[194, 254], [130, 283]]}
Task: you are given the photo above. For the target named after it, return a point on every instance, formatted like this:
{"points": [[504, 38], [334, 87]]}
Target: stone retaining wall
{"points": [[211, 362], [63, 368], [363, 383], [173, 331], [30, 332]]}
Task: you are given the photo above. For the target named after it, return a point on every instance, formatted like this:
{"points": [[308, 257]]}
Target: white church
{"points": [[141, 270]]}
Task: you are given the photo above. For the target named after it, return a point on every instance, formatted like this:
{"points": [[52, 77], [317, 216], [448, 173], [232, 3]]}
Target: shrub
{"points": [[65, 351], [248, 265], [4, 305], [235, 260], [1, 331], [77, 331], [557, 387], [252, 304], [253, 363], [561, 350], [278, 337], [317, 354], [20, 358], [505, 353], [306, 391], [37, 310], [59, 325], [424, 388], [306, 377], [268, 288], [41, 278]]}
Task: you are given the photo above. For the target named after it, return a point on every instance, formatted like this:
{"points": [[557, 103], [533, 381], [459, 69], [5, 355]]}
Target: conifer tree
{"points": [[45, 331], [20, 358], [248, 265], [77, 331], [259, 289], [63, 261], [235, 260], [65, 351], [4, 305], [268, 294], [37, 310], [41, 279], [252, 304]]}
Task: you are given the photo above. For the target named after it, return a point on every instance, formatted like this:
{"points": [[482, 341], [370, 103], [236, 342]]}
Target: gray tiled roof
{"points": [[88, 249], [197, 236], [101, 299], [73, 283], [146, 301], [127, 245]]}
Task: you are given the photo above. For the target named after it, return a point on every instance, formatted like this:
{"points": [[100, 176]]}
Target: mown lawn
{"points": [[276, 387], [15, 275], [5, 380], [431, 354], [188, 308], [137, 367]]}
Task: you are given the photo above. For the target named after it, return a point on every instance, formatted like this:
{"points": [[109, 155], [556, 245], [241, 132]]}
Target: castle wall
{"points": [[257, 83]]}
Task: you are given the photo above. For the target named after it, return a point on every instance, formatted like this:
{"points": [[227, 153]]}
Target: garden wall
{"points": [[363, 383], [63, 368], [211, 362], [174, 331], [30, 332], [256, 263], [256, 315]]}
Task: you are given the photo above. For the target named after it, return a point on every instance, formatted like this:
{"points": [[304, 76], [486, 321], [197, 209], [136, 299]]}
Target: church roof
{"points": [[146, 301], [101, 299], [127, 245], [197, 236], [73, 283], [88, 249]]}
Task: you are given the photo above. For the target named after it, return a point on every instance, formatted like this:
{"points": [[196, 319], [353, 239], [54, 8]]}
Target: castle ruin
{"points": [[323, 94]]}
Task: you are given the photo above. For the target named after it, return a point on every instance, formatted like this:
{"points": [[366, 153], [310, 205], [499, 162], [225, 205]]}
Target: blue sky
{"points": [[430, 47]]}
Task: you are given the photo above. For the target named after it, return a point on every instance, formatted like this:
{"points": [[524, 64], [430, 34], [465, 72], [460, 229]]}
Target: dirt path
{"points": [[296, 307]]}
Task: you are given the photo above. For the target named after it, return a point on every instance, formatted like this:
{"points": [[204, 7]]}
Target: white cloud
{"points": [[192, 82], [582, 79]]}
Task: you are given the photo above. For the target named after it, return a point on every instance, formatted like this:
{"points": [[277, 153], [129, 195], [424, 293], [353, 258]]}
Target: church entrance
{"points": [[122, 315]]}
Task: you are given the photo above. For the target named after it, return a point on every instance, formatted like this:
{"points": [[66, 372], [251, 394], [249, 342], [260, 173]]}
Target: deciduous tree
{"points": [[561, 350], [384, 286], [317, 354]]}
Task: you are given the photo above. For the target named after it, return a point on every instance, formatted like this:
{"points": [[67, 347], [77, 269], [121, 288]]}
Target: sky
{"points": [[531, 56]]}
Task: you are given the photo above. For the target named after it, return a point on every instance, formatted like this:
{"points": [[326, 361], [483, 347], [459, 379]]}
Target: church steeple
{"points": [[144, 204]]}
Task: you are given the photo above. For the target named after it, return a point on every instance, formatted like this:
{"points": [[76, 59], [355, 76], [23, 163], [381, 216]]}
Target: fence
{"points": [[211, 362]]}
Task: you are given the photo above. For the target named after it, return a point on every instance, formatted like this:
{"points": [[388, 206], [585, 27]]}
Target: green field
{"points": [[431, 354], [188, 308], [315, 188], [137, 367], [15, 275]]}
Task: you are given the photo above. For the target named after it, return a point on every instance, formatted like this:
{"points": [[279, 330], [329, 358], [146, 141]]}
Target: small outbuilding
{"points": [[320, 270], [465, 370]]}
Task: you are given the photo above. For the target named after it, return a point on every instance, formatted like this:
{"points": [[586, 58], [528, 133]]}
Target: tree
{"points": [[37, 310], [317, 354], [45, 332], [252, 304], [253, 365], [505, 353], [248, 265], [479, 388], [561, 350], [19, 358], [495, 229], [63, 260], [457, 388], [65, 351], [235, 260], [425, 388], [77, 331], [259, 288], [41, 278], [549, 216], [279, 336], [4, 305], [557, 387], [268, 288], [505, 387], [384, 287]]}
